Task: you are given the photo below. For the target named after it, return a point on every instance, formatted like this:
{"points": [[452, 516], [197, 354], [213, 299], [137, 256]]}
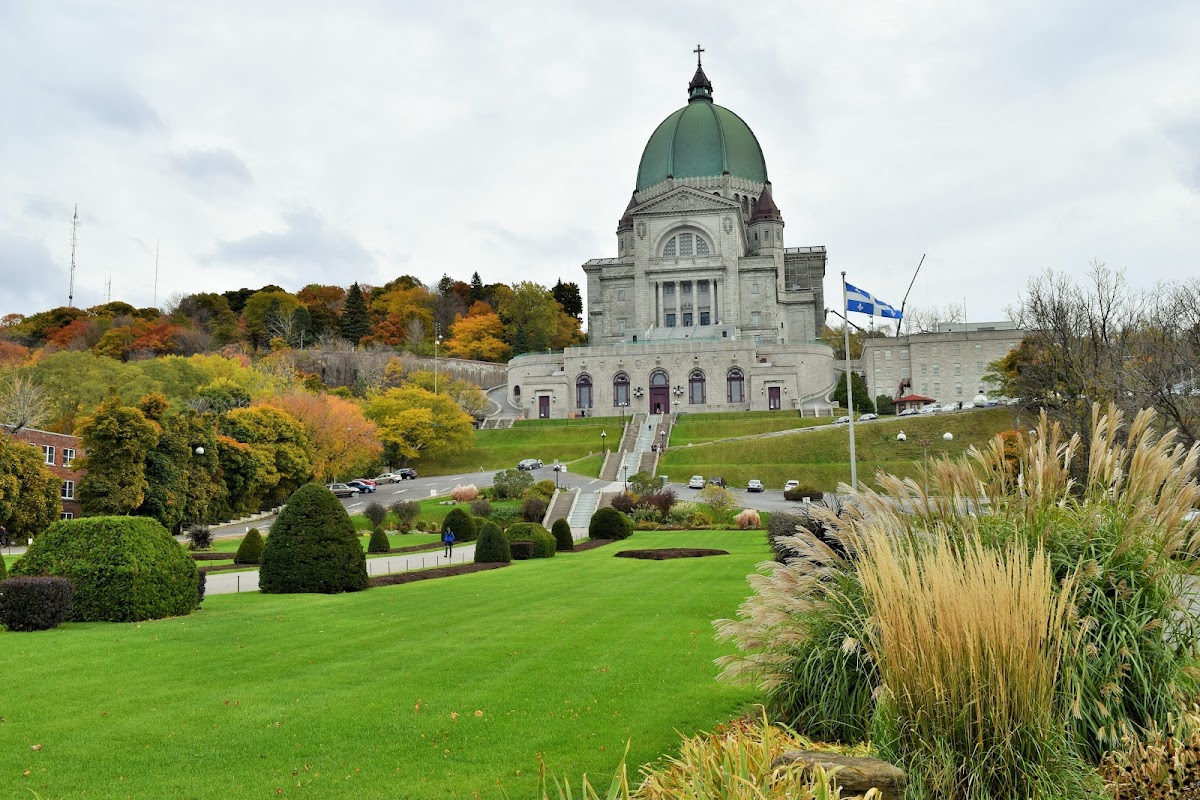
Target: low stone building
{"points": [[60, 451]]}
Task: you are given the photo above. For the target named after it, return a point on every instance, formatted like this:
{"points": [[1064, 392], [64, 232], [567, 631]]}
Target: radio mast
{"points": [[71, 279]]}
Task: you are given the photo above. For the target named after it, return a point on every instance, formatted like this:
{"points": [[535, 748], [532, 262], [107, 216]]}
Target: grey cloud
{"points": [[114, 104], [215, 164], [305, 241], [30, 277]]}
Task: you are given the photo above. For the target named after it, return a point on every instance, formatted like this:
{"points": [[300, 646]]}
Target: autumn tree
{"points": [[469, 396], [23, 403], [117, 439], [182, 484], [342, 438], [414, 422], [281, 444], [29, 492], [479, 335]]}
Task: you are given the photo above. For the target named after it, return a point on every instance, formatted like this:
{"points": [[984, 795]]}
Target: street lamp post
{"points": [[199, 450], [625, 469], [556, 471], [622, 405], [662, 440], [604, 442], [436, 341]]}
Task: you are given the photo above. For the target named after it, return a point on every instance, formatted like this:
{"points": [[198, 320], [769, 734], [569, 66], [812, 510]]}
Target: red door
{"points": [[660, 400], [544, 407], [773, 402]]}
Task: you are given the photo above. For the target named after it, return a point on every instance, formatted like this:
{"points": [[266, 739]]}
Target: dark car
{"points": [[717, 481], [530, 463], [362, 486], [406, 473]]}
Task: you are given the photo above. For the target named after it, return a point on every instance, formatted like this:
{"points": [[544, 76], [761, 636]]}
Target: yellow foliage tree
{"points": [[417, 422], [343, 439], [479, 336]]}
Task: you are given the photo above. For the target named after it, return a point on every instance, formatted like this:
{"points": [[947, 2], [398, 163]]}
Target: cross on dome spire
{"points": [[701, 87]]}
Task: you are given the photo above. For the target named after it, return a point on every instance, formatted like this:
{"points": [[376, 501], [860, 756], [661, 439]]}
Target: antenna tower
{"points": [[71, 279], [108, 287]]}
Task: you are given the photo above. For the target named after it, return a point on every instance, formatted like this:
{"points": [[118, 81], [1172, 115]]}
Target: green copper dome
{"points": [[701, 140]]}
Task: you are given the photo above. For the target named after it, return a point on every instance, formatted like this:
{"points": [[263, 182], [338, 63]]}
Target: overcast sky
{"points": [[297, 142]]}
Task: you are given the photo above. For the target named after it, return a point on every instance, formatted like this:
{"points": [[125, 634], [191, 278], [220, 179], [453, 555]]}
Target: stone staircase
{"points": [[645, 436], [611, 469], [581, 513], [560, 507]]}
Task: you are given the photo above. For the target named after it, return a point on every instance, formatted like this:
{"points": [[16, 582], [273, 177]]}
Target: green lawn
{"points": [[821, 458], [565, 440], [692, 428], [375, 694]]}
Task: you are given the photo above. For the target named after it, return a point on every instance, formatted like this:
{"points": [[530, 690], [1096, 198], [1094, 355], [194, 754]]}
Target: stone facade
{"points": [[947, 366], [60, 451]]}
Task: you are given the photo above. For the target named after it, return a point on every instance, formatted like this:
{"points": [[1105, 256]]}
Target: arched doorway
{"points": [[660, 392]]}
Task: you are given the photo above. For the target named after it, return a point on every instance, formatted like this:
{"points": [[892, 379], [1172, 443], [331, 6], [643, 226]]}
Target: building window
{"points": [[904, 354], [924, 369], [887, 355], [620, 326], [957, 368], [937, 369], [48, 454], [979, 366], [755, 318], [937, 389], [704, 318], [754, 288], [978, 349], [686, 244], [621, 295], [958, 349], [696, 387], [583, 391], [620, 389], [68, 490], [68, 455], [735, 386], [687, 319], [671, 320], [958, 389], [66, 515]]}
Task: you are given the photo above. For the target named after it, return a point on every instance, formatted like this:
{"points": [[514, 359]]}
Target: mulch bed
{"points": [[227, 567], [211, 556], [590, 544], [663, 553], [427, 574]]}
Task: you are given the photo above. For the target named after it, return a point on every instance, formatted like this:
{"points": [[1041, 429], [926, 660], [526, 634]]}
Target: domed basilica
{"points": [[703, 308]]}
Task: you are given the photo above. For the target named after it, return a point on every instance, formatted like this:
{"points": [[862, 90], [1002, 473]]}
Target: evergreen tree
{"points": [[520, 342], [862, 400], [355, 322], [567, 295], [117, 439], [477, 291], [251, 548]]}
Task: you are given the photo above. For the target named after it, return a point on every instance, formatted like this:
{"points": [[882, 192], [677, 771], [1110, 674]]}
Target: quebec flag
{"points": [[865, 303]]}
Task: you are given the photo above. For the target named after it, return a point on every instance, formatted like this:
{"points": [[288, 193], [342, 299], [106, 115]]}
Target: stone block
{"points": [[856, 775]]}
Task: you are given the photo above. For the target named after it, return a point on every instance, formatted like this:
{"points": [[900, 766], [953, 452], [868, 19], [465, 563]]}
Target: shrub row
{"points": [[35, 604]]}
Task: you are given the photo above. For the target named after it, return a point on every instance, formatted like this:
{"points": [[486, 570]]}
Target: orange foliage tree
{"points": [[343, 439], [479, 335]]}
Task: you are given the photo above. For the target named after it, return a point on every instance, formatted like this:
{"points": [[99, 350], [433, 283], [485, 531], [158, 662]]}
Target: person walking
{"points": [[448, 540]]}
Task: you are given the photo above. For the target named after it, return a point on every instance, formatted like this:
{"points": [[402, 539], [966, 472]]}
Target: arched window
{"points": [[735, 385], [686, 244], [696, 387], [620, 390], [583, 391], [745, 205], [659, 378], [517, 392]]}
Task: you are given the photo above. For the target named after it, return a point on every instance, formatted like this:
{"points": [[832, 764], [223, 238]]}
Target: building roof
{"points": [[765, 209], [701, 140], [626, 223], [916, 398]]}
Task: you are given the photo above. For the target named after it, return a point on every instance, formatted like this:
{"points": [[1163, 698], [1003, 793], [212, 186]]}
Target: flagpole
{"points": [[849, 385]]}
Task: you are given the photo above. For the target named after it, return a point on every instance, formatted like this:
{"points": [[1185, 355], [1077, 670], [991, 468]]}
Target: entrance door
{"points": [[660, 400], [544, 407], [773, 402]]}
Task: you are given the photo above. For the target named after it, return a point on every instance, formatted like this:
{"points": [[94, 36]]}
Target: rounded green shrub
{"points": [[463, 526], [251, 548], [313, 547], [3, 569], [124, 569], [562, 534], [538, 537], [492, 546], [34, 604], [608, 523], [533, 509], [379, 542]]}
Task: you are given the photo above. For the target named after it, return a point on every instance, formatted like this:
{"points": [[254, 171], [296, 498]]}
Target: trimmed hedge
{"points": [[521, 551], [801, 492], [379, 542], [34, 604], [123, 569], [542, 541], [463, 526], [561, 529], [608, 523], [313, 547], [251, 548], [492, 547]]}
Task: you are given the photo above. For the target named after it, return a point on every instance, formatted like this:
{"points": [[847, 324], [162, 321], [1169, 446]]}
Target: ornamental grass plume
{"points": [[1118, 538]]}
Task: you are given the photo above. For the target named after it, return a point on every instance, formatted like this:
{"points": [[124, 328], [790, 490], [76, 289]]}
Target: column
{"points": [[678, 303]]}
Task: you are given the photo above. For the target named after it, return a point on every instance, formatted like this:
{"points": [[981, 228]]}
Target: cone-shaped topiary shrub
{"points": [[34, 604], [313, 547], [542, 541], [123, 569], [379, 542], [463, 526], [562, 534], [608, 523], [492, 546], [250, 550]]}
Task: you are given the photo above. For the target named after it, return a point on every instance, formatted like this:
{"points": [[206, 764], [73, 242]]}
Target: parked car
{"points": [[365, 480], [868, 417], [967, 405], [362, 486], [406, 473], [908, 412], [529, 463], [697, 482], [931, 409], [341, 490], [717, 480], [950, 407], [841, 420], [387, 477], [787, 487], [754, 486]]}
